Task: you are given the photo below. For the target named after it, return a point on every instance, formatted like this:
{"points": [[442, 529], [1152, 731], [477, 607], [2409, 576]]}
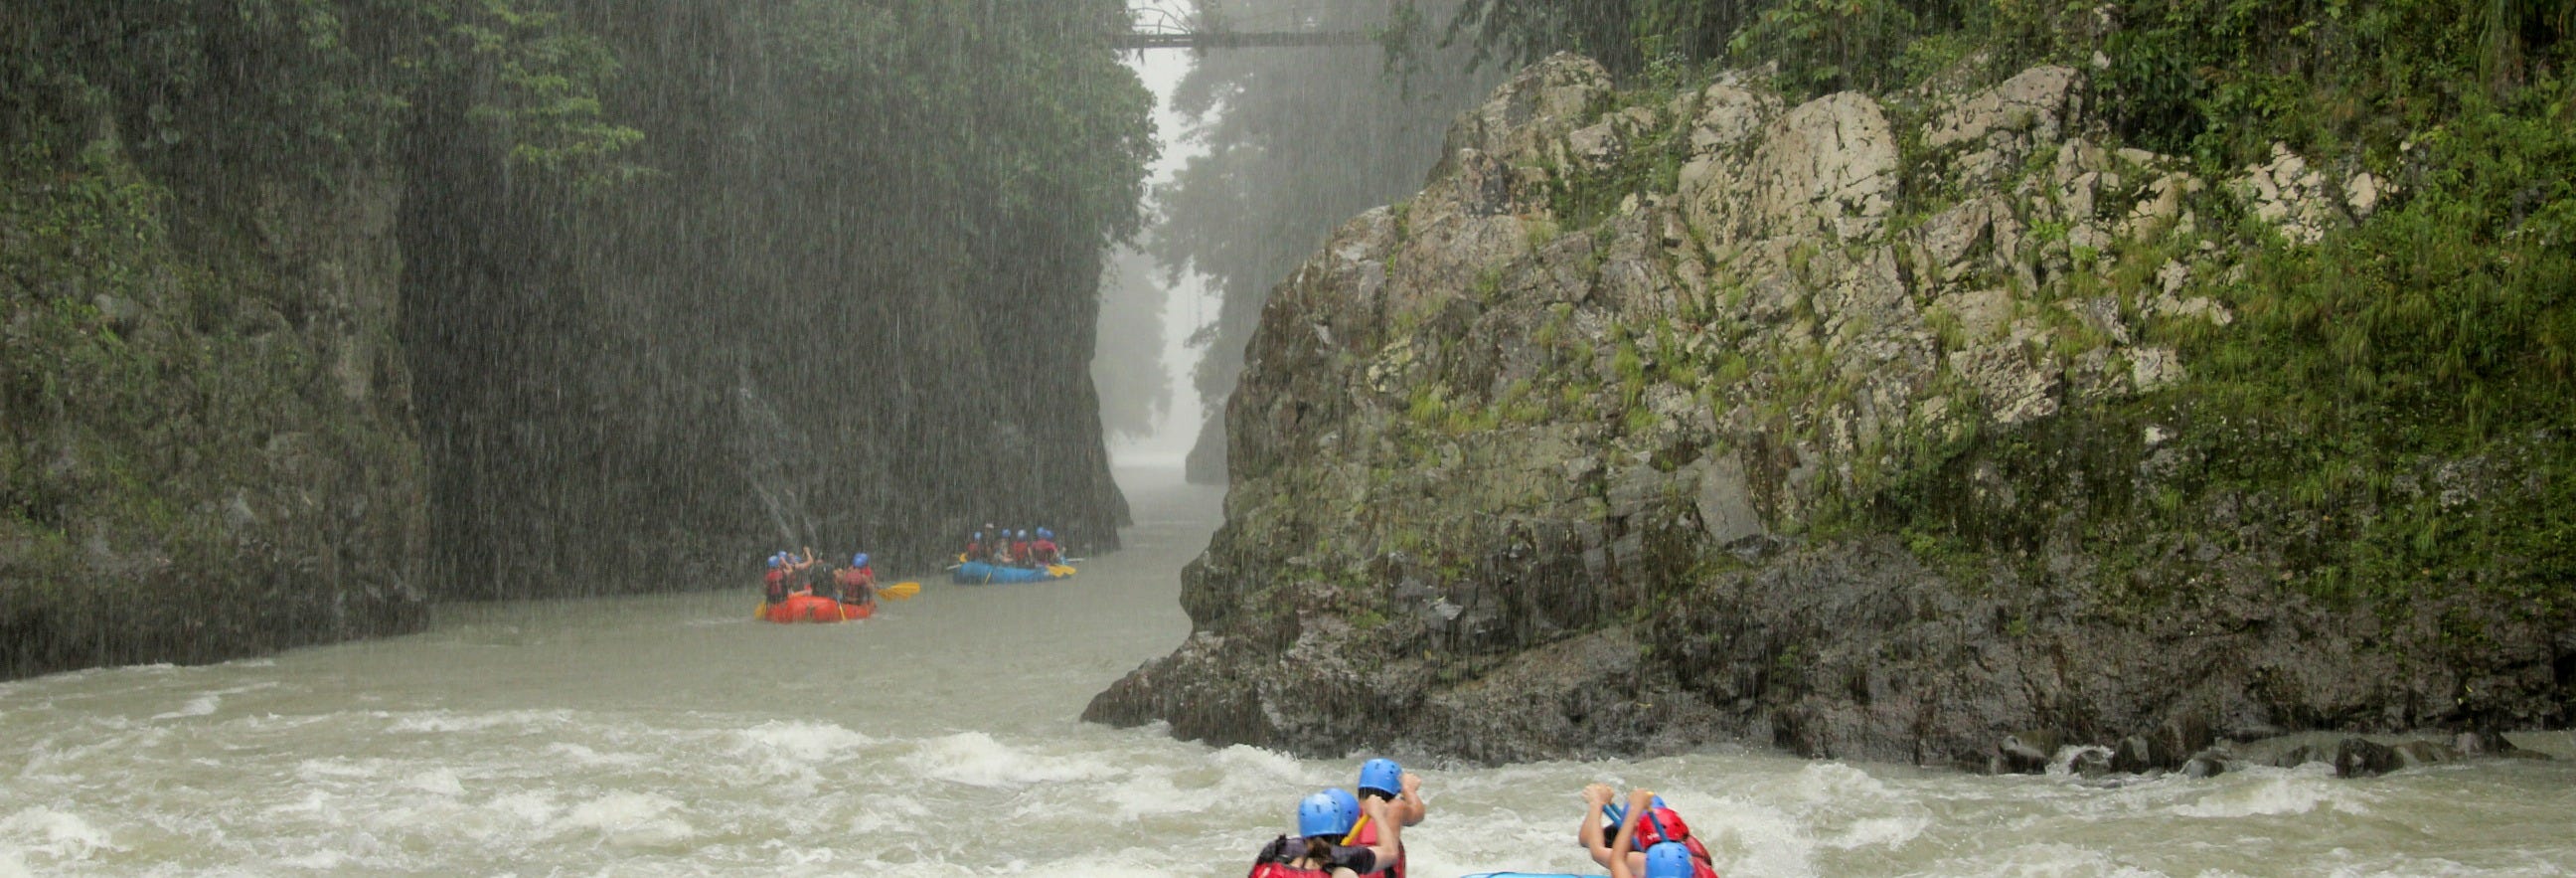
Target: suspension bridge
{"points": [[1160, 29]]}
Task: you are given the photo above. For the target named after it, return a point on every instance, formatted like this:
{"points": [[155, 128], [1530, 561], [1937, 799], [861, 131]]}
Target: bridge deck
{"points": [[1222, 40]]}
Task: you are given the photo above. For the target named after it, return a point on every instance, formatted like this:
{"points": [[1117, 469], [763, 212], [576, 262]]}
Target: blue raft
{"points": [[980, 573]]}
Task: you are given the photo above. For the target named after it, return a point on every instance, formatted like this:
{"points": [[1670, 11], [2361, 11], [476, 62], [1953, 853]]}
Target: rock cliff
{"points": [[1859, 426], [207, 427]]}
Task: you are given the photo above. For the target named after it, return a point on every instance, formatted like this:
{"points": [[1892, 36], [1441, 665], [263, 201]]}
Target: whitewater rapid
{"points": [[671, 735]]}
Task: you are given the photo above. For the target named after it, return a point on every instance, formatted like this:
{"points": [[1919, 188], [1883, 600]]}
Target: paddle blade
{"points": [[1059, 570], [900, 591]]}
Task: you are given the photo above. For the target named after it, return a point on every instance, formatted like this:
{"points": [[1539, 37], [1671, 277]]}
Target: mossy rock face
{"points": [[1859, 465], [207, 446]]}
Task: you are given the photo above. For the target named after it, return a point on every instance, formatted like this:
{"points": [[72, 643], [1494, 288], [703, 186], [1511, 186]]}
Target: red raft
{"points": [[815, 608]]}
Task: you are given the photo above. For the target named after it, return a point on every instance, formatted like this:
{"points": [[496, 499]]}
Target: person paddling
{"points": [[858, 582], [802, 573], [1668, 859], [1655, 824], [1316, 852], [774, 585], [1384, 780]]}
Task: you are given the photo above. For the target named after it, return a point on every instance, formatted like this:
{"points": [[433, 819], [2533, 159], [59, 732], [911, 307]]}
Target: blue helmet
{"points": [[1348, 802], [1325, 814], [859, 560], [1024, 534], [1045, 534], [1382, 775], [777, 560], [979, 536], [1669, 859]]}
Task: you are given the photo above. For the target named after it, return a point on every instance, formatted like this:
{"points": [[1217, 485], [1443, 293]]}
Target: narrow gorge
{"points": [[320, 313]]}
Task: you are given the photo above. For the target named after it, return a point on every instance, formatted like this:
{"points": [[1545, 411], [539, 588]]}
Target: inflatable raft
{"points": [[980, 573], [814, 608]]}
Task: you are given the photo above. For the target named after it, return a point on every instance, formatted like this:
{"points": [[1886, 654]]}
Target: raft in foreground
{"points": [[980, 573], [815, 608]]}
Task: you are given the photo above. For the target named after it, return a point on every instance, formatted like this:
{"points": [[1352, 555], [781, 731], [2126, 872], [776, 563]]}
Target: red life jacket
{"points": [[1281, 870], [1367, 836], [1662, 825], [1020, 551], [776, 586], [850, 580]]}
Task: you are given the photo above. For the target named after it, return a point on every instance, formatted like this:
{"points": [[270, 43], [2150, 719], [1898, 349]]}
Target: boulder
{"points": [[2031, 751], [1997, 129], [2361, 757]]}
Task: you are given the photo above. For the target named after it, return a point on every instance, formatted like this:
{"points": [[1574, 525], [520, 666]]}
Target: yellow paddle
{"points": [[1060, 570], [900, 591]]}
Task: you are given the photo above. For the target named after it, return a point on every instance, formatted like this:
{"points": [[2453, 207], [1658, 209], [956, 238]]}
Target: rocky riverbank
{"points": [[1863, 426]]}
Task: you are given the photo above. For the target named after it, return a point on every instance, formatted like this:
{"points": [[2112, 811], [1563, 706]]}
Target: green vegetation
{"points": [[2412, 374], [311, 87], [1649, 160], [2430, 344]]}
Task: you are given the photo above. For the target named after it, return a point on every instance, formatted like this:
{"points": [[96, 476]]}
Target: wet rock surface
{"points": [[227, 465], [1505, 488]]}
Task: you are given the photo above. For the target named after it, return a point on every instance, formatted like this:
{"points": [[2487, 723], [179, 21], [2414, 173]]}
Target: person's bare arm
{"points": [[1620, 865], [1410, 804], [1595, 798], [1390, 831]]}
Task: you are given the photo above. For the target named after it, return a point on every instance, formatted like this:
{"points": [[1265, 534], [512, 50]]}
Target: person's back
{"points": [[1646, 823], [859, 581], [1321, 819], [774, 584], [1384, 780]]}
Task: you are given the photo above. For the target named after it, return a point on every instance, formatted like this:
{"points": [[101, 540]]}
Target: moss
{"points": [[175, 381], [1540, 231], [1489, 286]]}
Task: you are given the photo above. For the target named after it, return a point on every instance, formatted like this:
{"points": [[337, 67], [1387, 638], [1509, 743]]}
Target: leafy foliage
{"points": [[315, 86]]}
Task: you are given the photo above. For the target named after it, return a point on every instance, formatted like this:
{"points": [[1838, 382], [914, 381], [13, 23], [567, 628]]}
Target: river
{"points": [[671, 735]]}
